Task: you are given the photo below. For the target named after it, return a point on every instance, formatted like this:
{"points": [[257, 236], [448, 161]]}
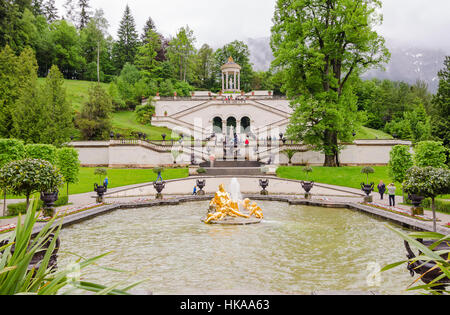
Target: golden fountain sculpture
{"points": [[222, 206]]}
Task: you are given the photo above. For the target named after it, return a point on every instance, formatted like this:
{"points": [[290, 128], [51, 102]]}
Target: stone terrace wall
{"points": [[139, 154]]}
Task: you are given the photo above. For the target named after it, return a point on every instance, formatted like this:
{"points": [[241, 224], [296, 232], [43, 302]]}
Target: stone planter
{"points": [[416, 201], [264, 183], [201, 184], [49, 199], [307, 186], [159, 186], [367, 189], [100, 190]]}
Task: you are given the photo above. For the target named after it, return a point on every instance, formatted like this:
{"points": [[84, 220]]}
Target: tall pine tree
{"points": [[126, 47], [440, 109], [51, 11], [84, 13]]}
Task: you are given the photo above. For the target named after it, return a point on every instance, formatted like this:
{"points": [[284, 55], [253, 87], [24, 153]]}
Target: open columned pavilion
{"points": [[231, 76]]}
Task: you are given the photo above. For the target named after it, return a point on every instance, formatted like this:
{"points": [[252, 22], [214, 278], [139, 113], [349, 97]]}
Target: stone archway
{"points": [[231, 125], [245, 125], [217, 125]]}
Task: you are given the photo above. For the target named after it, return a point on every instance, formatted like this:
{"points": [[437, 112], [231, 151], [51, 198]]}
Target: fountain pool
{"points": [[295, 250]]}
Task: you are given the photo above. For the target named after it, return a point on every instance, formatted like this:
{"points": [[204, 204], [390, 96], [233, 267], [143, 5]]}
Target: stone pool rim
{"points": [[403, 221]]}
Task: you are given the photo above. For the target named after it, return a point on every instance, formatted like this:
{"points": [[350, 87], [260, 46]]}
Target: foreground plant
{"points": [[440, 259], [16, 255]]}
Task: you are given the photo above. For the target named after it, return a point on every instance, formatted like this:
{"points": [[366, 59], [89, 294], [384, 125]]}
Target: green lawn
{"points": [[125, 122], [77, 91], [365, 133], [348, 176], [118, 178]]}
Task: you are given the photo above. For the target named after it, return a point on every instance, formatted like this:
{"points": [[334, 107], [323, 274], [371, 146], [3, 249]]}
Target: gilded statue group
{"points": [[222, 206]]}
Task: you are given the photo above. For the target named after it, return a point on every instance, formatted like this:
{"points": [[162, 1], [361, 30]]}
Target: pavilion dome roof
{"points": [[230, 64]]}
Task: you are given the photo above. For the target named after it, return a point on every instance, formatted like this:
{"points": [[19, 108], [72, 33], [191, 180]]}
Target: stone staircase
{"points": [[225, 168]]}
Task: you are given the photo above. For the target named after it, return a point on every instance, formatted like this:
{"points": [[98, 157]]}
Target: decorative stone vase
{"points": [[264, 183], [201, 184], [367, 189], [307, 186], [416, 201], [100, 190], [49, 199], [159, 186]]}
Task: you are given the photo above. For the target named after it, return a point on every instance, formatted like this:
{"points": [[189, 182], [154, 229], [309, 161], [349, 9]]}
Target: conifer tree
{"points": [[71, 11], [51, 11], [440, 109], [149, 25], [94, 120], [126, 47], [58, 111], [84, 13]]}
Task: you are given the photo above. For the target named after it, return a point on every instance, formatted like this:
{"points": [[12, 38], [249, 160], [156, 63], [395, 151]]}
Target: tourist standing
{"points": [[381, 189], [106, 182], [391, 191]]}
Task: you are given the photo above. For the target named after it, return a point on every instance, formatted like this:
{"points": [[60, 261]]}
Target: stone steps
{"points": [[217, 171], [232, 164]]}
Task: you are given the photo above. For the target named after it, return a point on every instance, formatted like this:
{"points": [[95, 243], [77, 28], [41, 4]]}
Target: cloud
{"points": [[218, 22]]}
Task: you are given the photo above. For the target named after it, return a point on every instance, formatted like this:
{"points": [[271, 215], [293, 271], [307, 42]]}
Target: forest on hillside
{"points": [[38, 41]]}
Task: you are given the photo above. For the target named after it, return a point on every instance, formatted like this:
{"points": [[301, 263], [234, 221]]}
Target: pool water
{"points": [[295, 250]]}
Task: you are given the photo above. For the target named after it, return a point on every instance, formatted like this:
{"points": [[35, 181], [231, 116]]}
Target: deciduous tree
{"points": [[320, 46]]}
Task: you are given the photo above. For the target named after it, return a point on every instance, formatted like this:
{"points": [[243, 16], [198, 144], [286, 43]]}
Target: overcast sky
{"points": [[424, 22]]}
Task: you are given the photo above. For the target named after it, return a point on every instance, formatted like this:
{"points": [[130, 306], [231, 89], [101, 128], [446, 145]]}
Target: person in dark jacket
{"points": [[381, 189]]}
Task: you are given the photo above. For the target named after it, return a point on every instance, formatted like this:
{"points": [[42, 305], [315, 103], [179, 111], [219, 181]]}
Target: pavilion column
{"points": [[234, 82], [239, 81], [223, 83], [238, 126], [226, 83]]}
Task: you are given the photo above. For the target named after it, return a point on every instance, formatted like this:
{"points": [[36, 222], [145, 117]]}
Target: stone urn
{"points": [[416, 201], [307, 186], [367, 189], [49, 199], [201, 184], [100, 190], [264, 183], [159, 186]]}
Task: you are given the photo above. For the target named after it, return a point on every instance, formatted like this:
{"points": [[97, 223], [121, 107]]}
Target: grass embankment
{"points": [[365, 133], [77, 93], [125, 122]]}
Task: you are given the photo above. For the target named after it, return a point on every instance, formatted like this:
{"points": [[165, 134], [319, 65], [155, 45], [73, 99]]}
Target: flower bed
{"points": [[70, 212], [398, 211], [7, 228]]}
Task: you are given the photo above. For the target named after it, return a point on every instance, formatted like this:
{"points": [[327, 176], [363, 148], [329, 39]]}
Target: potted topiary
{"points": [[201, 184], [307, 185], [100, 189], [366, 187], [25, 177], [264, 183], [159, 186], [428, 182]]}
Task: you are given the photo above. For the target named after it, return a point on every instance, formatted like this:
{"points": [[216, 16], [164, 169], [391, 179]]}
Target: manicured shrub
{"points": [[430, 153], [46, 152], [400, 161]]}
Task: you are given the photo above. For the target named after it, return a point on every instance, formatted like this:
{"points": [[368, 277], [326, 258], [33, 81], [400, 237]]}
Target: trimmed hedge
{"points": [[21, 208], [441, 205]]}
